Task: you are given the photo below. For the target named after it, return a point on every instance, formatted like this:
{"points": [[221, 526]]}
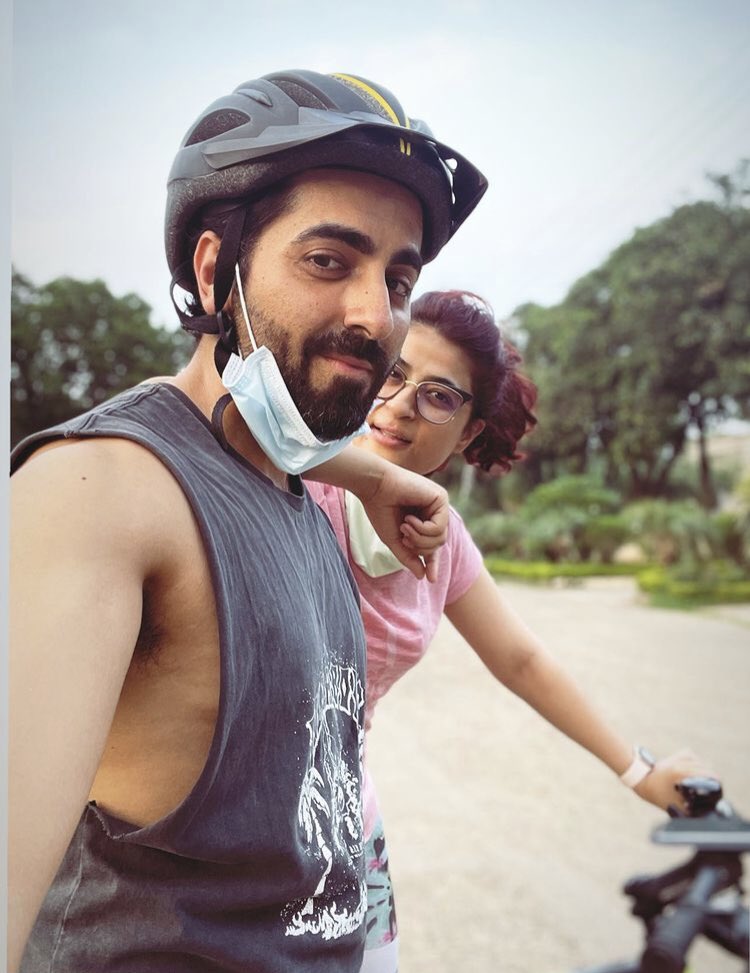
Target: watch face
{"points": [[646, 756]]}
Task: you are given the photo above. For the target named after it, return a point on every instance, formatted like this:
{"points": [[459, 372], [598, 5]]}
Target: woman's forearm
{"points": [[516, 657], [553, 693]]}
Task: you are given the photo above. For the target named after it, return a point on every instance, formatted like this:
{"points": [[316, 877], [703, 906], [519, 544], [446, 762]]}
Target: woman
{"points": [[457, 389]]}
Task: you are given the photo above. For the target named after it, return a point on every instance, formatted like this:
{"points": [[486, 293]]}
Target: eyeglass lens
{"points": [[435, 402]]}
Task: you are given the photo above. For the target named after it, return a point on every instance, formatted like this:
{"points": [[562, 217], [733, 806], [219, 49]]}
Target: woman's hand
{"points": [[658, 787]]}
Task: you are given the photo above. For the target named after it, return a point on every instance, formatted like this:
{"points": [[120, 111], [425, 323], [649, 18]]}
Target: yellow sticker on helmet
{"points": [[357, 82]]}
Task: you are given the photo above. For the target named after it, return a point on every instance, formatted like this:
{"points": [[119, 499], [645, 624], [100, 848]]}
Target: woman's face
{"points": [[398, 432]]}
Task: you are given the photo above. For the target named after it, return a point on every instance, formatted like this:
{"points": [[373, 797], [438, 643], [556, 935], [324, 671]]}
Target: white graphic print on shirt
{"points": [[330, 811]]}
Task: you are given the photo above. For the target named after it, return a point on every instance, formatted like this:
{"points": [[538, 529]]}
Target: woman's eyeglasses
{"points": [[435, 402]]}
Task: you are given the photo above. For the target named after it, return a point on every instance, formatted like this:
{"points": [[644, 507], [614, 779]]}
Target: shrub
{"points": [[553, 534], [497, 532], [574, 519], [687, 585], [741, 503], [602, 536], [729, 532], [567, 520], [670, 532], [585, 493]]}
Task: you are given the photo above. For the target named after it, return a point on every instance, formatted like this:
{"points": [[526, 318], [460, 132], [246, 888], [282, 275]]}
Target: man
{"points": [[188, 654]]}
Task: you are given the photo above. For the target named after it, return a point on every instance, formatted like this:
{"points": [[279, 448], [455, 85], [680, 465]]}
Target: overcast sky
{"points": [[590, 118]]}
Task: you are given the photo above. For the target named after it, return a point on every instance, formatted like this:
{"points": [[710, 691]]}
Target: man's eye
{"points": [[400, 286], [324, 261]]}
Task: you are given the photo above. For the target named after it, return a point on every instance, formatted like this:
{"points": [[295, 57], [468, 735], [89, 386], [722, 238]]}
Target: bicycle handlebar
{"points": [[676, 906], [673, 934]]}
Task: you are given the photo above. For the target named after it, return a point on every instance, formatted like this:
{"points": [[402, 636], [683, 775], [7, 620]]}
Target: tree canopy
{"points": [[74, 344], [649, 346]]}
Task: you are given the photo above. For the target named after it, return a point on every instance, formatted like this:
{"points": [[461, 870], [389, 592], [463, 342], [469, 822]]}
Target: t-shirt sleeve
{"points": [[466, 558], [317, 491], [330, 499]]}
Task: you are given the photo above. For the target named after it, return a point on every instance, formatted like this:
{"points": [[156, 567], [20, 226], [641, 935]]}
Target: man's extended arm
{"points": [[77, 570]]}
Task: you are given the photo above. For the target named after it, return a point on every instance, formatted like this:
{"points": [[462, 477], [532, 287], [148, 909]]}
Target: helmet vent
{"points": [[301, 96], [373, 104], [217, 123]]}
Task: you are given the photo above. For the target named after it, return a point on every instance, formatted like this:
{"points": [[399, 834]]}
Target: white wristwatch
{"points": [[642, 765]]}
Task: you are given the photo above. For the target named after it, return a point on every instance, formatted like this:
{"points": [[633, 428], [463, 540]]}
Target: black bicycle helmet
{"points": [[284, 123]]}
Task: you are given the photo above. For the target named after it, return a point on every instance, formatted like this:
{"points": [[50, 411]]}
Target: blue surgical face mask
{"points": [[264, 402]]}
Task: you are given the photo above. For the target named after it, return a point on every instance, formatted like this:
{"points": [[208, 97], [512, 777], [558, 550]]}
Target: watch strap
{"points": [[641, 766]]}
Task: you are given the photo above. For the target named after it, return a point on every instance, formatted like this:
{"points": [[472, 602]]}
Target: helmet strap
{"points": [[229, 251], [198, 324], [224, 271], [227, 343]]}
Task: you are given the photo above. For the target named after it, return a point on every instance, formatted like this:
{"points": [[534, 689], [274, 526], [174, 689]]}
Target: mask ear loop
{"points": [[243, 305], [223, 280]]}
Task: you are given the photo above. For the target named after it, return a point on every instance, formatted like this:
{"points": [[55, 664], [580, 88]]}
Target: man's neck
{"points": [[200, 381]]}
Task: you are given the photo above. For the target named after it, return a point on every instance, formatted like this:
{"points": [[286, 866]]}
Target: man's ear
{"points": [[204, 267], [470, 434]]}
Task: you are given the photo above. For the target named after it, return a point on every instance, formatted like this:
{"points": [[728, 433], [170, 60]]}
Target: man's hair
{"points": [[261, 211]]}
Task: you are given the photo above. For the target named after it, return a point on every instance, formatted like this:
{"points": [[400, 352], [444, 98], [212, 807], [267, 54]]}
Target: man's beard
{"points": [[342, 407]]}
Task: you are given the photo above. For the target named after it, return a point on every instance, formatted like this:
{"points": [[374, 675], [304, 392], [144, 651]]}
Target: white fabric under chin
{"points": [[368, 551]]}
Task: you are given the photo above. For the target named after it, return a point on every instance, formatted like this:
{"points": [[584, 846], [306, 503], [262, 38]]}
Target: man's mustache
{"points": [[353, 345]]}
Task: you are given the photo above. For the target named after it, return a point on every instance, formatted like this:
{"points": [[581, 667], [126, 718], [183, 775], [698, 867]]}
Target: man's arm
{"points": [[409, 512], [77, 571]]}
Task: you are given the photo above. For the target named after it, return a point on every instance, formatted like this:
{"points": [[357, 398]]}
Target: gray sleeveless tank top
{"points": [[260, 867]]}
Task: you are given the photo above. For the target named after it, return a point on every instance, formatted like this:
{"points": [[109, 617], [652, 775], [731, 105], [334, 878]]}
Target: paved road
{"points": [[508, 843]]}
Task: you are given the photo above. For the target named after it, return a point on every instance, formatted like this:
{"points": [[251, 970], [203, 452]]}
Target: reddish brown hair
{"points": [[503, 396]]}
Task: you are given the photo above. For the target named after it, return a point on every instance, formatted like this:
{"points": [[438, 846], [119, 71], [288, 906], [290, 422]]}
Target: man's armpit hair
{"points": [[150, 633]]}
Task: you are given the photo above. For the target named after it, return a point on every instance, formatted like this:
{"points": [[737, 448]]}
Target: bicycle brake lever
{"points": [[724, 808]]}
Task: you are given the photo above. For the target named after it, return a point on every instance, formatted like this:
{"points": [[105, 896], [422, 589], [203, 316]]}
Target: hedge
{"points": [[547, 570], [664, 589], [661, 586]]}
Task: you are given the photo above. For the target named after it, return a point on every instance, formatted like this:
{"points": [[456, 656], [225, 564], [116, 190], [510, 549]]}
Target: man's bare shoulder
{"points": [[108, 464], [108, 491]]}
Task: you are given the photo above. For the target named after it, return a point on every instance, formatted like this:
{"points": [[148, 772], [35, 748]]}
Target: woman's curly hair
{"points": [[503, 396]]}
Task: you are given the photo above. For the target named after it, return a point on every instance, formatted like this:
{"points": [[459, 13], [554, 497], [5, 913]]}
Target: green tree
{"points": [[652, 345], [74, 344], [681, 293], [567, 354]]}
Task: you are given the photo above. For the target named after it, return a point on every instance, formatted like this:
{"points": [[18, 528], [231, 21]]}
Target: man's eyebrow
{"points": [[359, 241], [409, 256], [338, 231]]}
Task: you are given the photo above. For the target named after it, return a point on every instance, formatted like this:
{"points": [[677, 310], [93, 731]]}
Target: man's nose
{"points": [[369, 309]]}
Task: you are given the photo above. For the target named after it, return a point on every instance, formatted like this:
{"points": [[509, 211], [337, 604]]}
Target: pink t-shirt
{"points": [[400, 613]]}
